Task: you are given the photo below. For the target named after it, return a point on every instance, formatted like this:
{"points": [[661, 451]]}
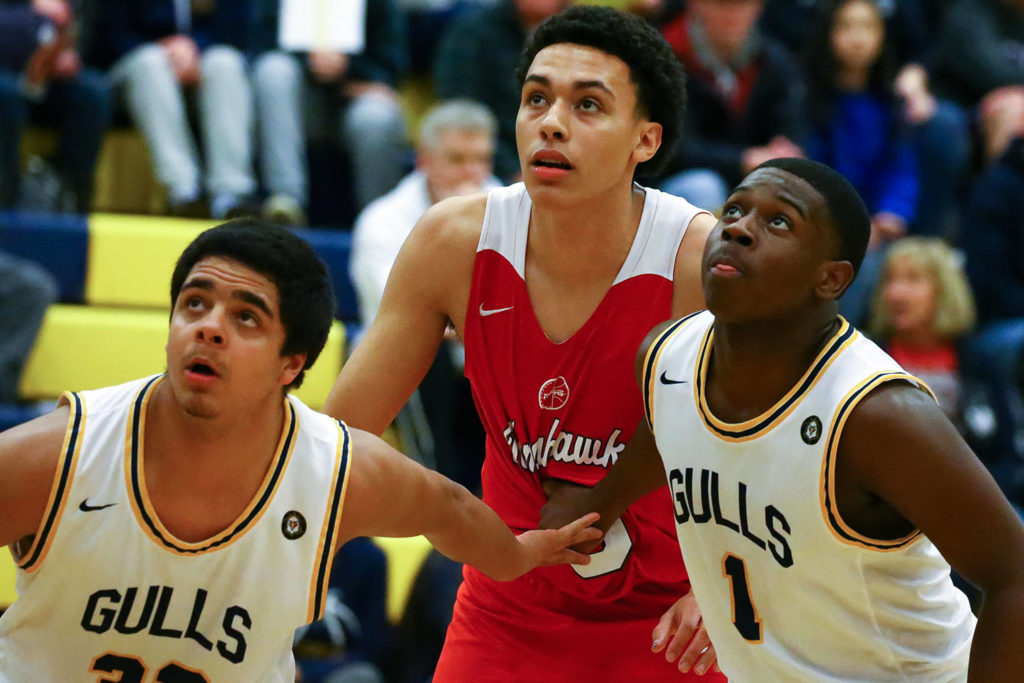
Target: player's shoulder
{"points": [[42, 435], [29, 454], [453, 223]]}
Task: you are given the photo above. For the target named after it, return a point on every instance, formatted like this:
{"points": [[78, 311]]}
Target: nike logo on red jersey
{"points": [[484, 312]]}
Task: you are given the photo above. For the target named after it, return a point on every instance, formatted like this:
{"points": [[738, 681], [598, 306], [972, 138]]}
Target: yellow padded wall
{"points": [[131, 258], [7, 575], [405, 556]]}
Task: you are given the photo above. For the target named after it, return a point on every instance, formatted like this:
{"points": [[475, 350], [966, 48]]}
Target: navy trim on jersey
{"points": [[649, 364], [63, 483], [833, 438], [824, 358], [324, 563], [241, 526]]}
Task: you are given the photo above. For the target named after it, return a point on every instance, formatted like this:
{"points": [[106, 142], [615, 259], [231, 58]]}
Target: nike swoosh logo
{"points": [[85, 507], [484, 312], [666, 380]]}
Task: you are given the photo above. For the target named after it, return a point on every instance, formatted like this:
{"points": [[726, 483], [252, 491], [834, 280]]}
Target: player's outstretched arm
{"points": [[899, 446], [428, 283], [28, 462], [391, 495]]}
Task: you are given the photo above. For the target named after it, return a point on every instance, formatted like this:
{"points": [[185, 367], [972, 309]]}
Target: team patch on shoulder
{"points": [[293, 525], [810, 430]]}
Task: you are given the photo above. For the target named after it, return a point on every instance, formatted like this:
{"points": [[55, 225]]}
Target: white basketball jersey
{"points": [[787, 590], [107, 593]]}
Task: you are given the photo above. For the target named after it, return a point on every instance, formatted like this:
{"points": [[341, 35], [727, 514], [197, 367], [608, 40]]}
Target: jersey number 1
{"points": [[744, 614], [132, 670]]}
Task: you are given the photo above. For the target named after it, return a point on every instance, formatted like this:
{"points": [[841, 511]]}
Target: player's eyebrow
{"points": [[801, 207], [243, 294], [254, 299], [576, 85]]}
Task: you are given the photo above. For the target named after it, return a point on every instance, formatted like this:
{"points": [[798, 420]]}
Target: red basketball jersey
{"points": [[566, 411]]}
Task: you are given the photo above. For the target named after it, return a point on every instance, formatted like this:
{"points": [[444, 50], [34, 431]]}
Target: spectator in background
{"points": [[922, 312], [334, 96], [937, 127], [42, 80], [995, 268], [163, 55], [26, 290], [455, 156], [980, 64], [744, 99], [477, 60], [857, 127]]}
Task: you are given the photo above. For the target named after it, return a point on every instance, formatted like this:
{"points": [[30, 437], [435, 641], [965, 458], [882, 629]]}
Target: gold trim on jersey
{"points": [[135, 475], [31, 559], [332, 523], [830, 510], [651, 362], [766, 421]]}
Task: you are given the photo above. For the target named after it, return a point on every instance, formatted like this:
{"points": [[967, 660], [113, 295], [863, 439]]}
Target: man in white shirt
{"points": [[455, 156]]}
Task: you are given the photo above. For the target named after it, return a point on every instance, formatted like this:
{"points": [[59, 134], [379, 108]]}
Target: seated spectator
{"points": [[744, 99], [42, 80], [937, 127], [921, 313], [166, 55], [980, 65], [477, 59], [326, 95], [857, 127], [26, 290], [995, 268], [455, 156]]}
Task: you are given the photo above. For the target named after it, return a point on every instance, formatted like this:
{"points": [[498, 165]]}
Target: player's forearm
{"points": [[638, 472], [996, 653], [472, 533]]}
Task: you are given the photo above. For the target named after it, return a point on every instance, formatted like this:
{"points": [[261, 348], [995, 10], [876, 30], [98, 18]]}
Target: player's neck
{"points": [[755, 364], [236, 440], [589, 234]]}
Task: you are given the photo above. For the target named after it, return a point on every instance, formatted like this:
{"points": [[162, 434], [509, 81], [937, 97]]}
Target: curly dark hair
{"points": [[306, 298], [658, 75]]}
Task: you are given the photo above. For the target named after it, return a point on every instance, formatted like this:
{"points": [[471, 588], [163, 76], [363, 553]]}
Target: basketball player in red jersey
{"points": [[552, 285]]}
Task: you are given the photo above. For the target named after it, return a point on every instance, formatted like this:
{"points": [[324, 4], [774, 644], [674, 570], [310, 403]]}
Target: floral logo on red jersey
{"points": [[553, 394]]}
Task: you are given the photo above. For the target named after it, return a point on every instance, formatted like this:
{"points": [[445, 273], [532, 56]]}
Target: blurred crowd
{"points": [[920, 103]]}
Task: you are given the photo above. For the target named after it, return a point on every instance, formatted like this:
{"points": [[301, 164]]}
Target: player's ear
{"points": [[291, 366], [834, 277], [648, 143]]}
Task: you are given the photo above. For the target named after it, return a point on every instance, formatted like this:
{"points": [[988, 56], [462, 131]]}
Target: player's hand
{"points": [[682, 630], [566, 501], [545, 547]]}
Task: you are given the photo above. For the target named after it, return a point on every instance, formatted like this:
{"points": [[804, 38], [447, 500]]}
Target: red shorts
{"points": [[522, 643]]}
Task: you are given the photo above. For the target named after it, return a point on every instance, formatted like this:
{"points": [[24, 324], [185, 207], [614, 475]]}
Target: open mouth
{"points": [[549, 163], [201, 368]]}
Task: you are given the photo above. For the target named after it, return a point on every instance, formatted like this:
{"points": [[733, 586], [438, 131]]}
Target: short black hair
{"points": [[306, 298], [847, 212], [658, 75]]}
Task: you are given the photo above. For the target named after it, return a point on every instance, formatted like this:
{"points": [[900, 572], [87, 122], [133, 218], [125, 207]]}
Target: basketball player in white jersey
{"points": [[181, 527], [815, 483], [552, 284]]}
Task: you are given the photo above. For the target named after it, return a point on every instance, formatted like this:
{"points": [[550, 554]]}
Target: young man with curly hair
{"points": [[552, 284]]}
